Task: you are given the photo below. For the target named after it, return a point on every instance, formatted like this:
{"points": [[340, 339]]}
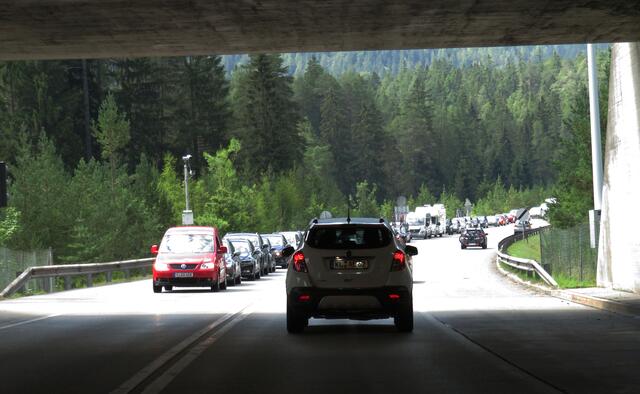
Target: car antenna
{"points": [[349, 209]]}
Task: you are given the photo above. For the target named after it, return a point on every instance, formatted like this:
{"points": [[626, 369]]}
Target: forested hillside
{"points": [[393, 61], [96, 170]]}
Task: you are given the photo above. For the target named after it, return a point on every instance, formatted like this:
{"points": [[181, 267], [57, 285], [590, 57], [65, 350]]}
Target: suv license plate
{"points": [[342, 264], [183, 275]]}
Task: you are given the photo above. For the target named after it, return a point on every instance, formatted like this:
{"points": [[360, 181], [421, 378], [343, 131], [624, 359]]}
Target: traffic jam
{"points": [[354, 268]]}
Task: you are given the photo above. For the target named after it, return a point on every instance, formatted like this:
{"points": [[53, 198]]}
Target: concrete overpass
{"points": [[54, 29]]}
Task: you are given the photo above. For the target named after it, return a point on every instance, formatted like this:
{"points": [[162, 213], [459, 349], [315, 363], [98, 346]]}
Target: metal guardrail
{"points": [[69, 270], [524, 264]]}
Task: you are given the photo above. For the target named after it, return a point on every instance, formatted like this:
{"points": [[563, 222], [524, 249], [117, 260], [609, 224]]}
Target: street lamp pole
{"points": [[596, 147], [187, 214]]}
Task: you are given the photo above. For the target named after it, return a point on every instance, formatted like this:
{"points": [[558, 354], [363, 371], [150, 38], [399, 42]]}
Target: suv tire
{"points": [[295, 322], [404, 319], [223, 285]]}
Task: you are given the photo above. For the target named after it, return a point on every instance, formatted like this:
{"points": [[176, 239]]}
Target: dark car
{"points": [[233, 264], [259, 244], [278, 242], [250, 267], [402, 234], [473, 237], [294, 238]]}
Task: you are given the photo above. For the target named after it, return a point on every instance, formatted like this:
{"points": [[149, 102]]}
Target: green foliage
{"points": [[424, 197], [500, 200], [365, 201], [225, 199], [265, 116], [504, 127], [101, 208], [39, 191], [574, 188], [111, 130], [171, 188], [9, 224]]}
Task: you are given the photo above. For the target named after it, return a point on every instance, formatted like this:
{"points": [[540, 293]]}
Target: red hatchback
{"points": [[189, 257]]}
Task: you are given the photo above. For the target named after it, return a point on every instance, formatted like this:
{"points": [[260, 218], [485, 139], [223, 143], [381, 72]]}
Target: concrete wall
{"points": [[619, 254]]}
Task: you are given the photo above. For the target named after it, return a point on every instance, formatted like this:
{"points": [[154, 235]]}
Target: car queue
{"points": [[197, 256]]}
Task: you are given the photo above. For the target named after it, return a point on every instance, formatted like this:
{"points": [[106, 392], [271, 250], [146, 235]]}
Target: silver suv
{"points": [[350, 268]]}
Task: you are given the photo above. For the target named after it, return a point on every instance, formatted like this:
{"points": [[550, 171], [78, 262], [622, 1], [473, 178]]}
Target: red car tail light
{"points": [[394, 296], [304, 297], [399, 261], [299, 265]]}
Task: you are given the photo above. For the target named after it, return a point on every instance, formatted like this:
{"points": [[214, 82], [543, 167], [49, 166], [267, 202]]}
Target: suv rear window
{"points": [[348, 237]]}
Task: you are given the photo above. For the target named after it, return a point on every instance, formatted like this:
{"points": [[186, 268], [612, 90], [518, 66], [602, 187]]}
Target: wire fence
{"points": [[13, 262], [568, 253]]}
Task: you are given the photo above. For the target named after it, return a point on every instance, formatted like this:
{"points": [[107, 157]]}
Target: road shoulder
{"points": [[596, 297]]}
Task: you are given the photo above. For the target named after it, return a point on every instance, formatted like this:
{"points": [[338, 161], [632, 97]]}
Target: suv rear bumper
{"points": [[390, 298]]}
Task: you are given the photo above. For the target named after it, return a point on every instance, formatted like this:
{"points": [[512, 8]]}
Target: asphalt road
{"points": [[475, 332]]}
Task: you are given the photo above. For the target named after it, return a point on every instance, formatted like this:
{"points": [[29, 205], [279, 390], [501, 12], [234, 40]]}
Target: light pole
{"points": [[187, 214], [596, 147]]}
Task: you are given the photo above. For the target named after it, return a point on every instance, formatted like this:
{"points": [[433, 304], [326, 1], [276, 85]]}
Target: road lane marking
{"points": [[167, 377], [164, 358], [20, 323]]}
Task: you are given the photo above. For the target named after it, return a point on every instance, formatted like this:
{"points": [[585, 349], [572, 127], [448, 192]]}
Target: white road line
{"points": [[167, 377], [20, 323], [152, 367]]}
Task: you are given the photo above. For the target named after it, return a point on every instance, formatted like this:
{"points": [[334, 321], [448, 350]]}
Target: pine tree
{"points": [[266, 116]]}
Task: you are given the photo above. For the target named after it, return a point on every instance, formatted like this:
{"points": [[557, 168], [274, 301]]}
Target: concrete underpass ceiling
{"points": [[56, 29]]}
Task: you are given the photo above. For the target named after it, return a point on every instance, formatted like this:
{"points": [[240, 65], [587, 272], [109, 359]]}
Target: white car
{"points": [[350, 268]]}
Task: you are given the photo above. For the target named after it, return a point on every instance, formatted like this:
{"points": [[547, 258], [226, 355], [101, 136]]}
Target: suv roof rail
{"points": [[381, 220], [314, 221]]}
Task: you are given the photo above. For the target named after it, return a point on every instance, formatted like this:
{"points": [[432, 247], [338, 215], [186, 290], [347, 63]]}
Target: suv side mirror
{"points": [[154, 249], [223, 249], [288, 251], [411, 250]]}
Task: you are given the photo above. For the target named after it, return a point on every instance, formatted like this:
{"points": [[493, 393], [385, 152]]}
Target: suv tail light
{"points": [[399, 261], [299, 265]]}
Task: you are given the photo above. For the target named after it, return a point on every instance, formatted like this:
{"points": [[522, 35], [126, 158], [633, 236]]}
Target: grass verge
{"points": [[528, 248], [566, 282]]}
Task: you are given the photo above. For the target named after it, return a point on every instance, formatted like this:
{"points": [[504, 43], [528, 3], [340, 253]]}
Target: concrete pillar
{"points": [[619, 252]]}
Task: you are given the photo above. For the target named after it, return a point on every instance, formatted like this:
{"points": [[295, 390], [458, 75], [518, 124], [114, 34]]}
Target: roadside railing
{"points": [[67, 271], [526, 265]]}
